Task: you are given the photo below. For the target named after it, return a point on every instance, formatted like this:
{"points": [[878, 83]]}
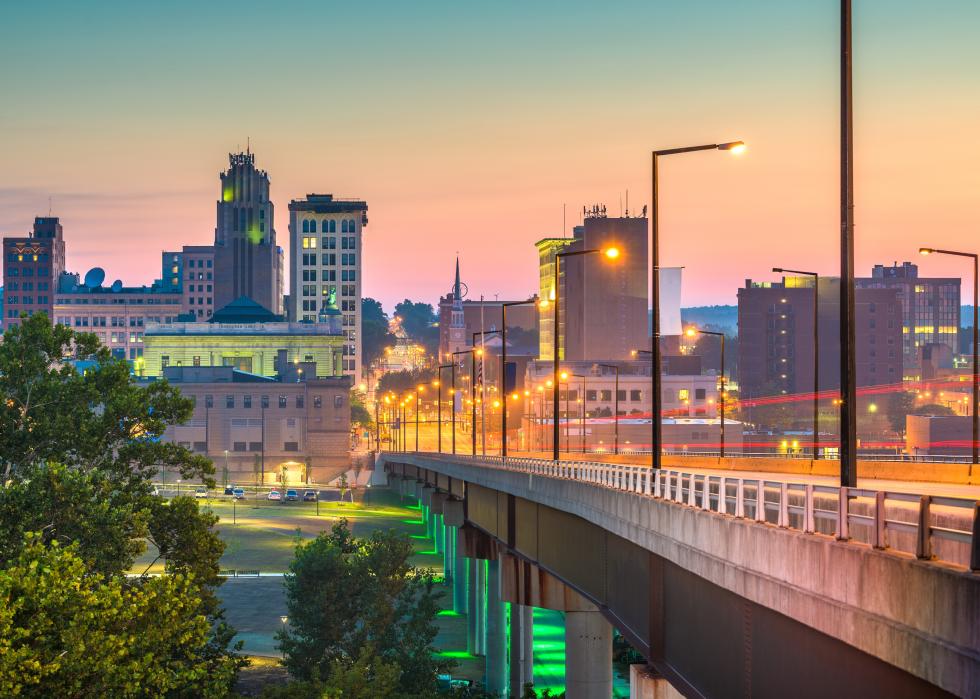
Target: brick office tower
{"points": [[32, 265], [247, 261]]}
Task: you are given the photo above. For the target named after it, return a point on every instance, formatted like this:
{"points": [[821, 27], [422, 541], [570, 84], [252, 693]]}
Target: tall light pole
{"points": [[479, 353], [418, 400], [848, 359], [615, 367], [656, 396], [816, 350], [503, 367], [691, 332], [976, 337], [472, 352], [439, 401], [610, 253]]}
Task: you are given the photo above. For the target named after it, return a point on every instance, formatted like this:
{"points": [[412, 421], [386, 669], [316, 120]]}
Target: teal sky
{"points": [[468, 126]]}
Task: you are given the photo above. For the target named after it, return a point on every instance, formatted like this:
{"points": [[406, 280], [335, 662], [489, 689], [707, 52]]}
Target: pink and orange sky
{"points": [[468, 128]]}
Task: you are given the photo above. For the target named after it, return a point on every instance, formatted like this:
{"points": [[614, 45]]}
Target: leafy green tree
{"points": [[419, 322], [900, 404], [399, 382], [98, 419], [346, 595], [375, 336], [359, 414], [67, 633]]}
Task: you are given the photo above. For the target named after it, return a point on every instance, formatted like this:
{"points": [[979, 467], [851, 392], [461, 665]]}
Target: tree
{"points": [[900, 404], [420, 323], [375, 336], [67, 633], [345, 595], [98, 419], [399, 382], [359, 414]]}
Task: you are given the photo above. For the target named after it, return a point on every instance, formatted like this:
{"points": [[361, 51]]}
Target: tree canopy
{"points": [[375, 336]]}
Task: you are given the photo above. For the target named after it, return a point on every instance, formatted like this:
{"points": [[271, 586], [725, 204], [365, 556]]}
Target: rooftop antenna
{"points": [[627, 203], [49, 206], [620, 205], [248, 145]]}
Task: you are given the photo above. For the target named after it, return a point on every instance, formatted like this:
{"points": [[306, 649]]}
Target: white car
{"points": [[201, 492], [274, 495]]}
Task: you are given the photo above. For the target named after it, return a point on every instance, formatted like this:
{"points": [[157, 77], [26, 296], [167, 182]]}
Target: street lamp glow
{"points": [[736, 147], [564, 376], [926, 251], [611, 253], [690, 332]]}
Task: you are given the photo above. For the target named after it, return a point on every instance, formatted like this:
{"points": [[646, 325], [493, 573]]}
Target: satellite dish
{"points": [[94, 277], [116, 286]]}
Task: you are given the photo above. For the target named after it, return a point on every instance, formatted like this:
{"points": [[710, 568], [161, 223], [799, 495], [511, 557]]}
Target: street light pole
{"points": [[439, 401], [615, 367], [848, 360], [816, 351], [656, 398], [473, 378], [721, 391], [503, 368], [976, 337]]}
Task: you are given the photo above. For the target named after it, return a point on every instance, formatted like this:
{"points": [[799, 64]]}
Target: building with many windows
{"points": [[247, 261], [325, 235], [117, 315], [248, 337], [292, 428], [190, 272], [31, 267], [930, 309]]}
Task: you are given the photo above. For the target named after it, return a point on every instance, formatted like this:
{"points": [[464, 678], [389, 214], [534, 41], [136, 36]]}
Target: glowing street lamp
{"points": [[734, 147]]}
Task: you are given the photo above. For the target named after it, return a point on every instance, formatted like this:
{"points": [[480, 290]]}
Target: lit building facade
{"points": [[930, 308], [265, 430], [325, 235], [247, 260], [247, 337], [32, 265]]}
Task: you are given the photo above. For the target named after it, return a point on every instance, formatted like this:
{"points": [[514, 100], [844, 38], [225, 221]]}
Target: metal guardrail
{"points": [[928, 527]]}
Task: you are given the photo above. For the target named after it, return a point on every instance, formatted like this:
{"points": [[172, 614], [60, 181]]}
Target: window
{"points": [[230, 402], [621, 395], [683, 394], [699, 393], [306, 226], [208, 401], [238, 446], [338, 401], [635, 395], [200, 446], [165, 361], [197, 360], [591, 395], [343, 226], [282, 401], [300, 401], [606, 395], [265, 401], [317, 401], [246, 401], [255, 446], [290, 446]]}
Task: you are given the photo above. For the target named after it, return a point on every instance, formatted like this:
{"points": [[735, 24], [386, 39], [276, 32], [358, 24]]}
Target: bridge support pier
{"points": [[475, 608], [647, 683], [461, 575], [521, 648], [588, 655], [496, 665]]}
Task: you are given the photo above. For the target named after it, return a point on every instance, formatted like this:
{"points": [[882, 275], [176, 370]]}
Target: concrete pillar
{"points": [[647, 683], [521, 648], [480, 612], [588, 655], [447, 554], [473, 567], [461, 577], [440, 533], [496, 665]]}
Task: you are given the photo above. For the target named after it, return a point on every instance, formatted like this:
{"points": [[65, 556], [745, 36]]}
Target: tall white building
{"points": [[325, 240]]}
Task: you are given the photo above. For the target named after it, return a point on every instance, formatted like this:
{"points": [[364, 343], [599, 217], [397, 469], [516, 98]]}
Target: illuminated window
{"points": [[683, 394]]}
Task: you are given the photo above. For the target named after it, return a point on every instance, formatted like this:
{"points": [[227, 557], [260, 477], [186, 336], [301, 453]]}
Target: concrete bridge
{"points": [[728, 586]]}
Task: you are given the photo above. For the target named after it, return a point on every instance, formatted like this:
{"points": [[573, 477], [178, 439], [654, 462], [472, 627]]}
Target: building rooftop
{"points": [[327, 204], [244, 310]]}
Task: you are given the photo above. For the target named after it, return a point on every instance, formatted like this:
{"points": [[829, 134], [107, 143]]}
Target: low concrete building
{"points": [[258, 429], [248, 337], [938, 435]]}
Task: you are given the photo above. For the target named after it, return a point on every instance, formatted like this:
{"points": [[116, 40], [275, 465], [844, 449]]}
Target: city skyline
{"points": [[479, 154]]}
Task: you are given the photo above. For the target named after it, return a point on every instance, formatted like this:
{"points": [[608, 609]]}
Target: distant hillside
{"points": [[719, 316]]}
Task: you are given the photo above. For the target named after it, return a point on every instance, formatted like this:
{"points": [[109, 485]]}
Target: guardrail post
{"points": [[879, 532], [923, 546], [657, 484], [691, 492], [760, 501], [843, 514], [975, 543], [646, 481], [706, 492], [808, 510], [782, 519], [722, 496], [679, 487], [740, 499]]}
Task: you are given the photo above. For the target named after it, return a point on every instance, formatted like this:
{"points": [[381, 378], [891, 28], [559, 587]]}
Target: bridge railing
{"points": [[928, 527]]}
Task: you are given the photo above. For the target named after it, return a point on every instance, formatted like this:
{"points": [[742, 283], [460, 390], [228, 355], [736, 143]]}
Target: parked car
{"points": [[238, 494], [201, 492], [274, 495], [229, 490], [292, 496], [309, 496]]}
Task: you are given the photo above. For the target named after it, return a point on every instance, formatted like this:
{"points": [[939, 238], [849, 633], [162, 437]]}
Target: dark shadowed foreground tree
{"points": [[358, 607], [77, 451]]}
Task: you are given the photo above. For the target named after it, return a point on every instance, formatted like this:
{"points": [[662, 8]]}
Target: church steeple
{"points": [[457, 295]]}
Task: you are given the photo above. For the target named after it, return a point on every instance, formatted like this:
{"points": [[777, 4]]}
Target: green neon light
{"points": [[448, 612], [411, 521], [459, 654]]}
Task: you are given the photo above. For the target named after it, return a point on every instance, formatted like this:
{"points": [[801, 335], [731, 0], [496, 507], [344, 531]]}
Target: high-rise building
{"points": [[775, 331], [325, 236], [190, 273], [32, 265], [930, 309], [247, 261], [603, 308]]}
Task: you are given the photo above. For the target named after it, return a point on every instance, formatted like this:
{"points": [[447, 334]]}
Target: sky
{"points": [[477, 128]]}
